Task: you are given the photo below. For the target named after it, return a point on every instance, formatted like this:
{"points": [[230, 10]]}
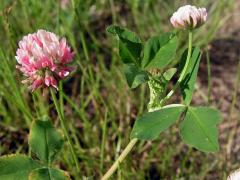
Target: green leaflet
{"points": [[159, 51], [49, 174], [134, 75], [17, 167], [167, 75], [123, 33], [199, 130], [45, 141], [130, 45], [151, 124]]}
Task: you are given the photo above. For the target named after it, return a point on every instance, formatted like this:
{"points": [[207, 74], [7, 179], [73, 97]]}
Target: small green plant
{"points": [[44, 59], [45, 142], [149, 63]]}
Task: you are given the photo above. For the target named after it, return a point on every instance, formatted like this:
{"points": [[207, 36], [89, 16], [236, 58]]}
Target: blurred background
{"points": [[97, 102]]}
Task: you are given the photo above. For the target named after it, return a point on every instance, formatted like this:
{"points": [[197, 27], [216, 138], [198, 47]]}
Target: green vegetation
{"points": [[96, 100]]}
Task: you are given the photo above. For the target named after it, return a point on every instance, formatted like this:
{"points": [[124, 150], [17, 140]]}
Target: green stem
{"points": [[182, 75], [64, 127], [120, 159], [104, 130], [85, 50]]}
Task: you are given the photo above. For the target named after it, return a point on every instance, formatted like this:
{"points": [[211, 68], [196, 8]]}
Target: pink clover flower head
{"points": [[43, 58], [189, 17]]}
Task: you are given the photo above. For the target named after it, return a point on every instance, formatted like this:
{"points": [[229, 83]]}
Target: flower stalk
{"points": [[64, 127], [183, 73]]}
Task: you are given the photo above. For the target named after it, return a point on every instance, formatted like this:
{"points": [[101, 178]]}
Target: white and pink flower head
{"points": [[43, 58], [189, 17]]}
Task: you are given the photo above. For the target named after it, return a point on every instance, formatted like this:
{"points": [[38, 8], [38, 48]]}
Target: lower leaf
{"points": [[49, 174], [199, 128], [151, 124], [16, 166], [45, 141]]}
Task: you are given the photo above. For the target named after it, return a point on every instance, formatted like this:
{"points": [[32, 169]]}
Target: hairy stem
{"points": [[125, 152]]}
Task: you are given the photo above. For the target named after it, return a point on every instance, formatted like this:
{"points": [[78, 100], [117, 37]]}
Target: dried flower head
{"points": [[43, 58], [189, 17]]}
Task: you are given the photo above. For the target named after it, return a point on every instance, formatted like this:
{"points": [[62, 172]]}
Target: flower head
{"points": [[43, 58], [189, 17], [234, 175]]}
